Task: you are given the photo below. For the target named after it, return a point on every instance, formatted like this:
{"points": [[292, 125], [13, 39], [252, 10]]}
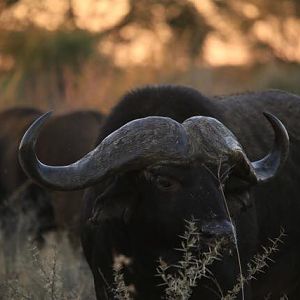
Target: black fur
{"points": [[128, 215]]}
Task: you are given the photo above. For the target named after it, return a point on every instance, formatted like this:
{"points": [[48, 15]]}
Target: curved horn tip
{"points": [[267, 168], [34, 129], [275, 122]]}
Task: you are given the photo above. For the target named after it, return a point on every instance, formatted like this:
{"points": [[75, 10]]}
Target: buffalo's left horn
{"points": [[136, 144], [268, 167]]}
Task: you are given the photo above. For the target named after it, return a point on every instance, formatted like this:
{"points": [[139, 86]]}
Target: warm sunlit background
{"points": [[65, 54]]}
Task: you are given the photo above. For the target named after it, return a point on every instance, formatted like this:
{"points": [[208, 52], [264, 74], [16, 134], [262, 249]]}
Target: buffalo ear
{"points": [[238, 194]]}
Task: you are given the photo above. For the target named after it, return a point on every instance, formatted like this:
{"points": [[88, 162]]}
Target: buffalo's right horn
{"points": [[137, 143], [267, 167], [213, 142]]}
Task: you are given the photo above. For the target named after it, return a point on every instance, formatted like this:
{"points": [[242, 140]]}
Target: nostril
{"points": [[219, 229]]}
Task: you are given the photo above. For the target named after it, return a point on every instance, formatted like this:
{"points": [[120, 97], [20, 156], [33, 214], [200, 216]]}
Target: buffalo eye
{"points": [[166, 184], [162, 182]]}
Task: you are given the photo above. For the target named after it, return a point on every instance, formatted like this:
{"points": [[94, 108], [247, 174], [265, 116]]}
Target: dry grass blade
{"points": [[121, 291], [190, 269], [257, 265], [54, 273]]}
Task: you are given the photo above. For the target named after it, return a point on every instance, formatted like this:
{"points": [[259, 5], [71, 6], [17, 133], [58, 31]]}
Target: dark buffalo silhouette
{"points": [[58, 145], [18, 196], [65, 139], [168, 154], [13, 124]]}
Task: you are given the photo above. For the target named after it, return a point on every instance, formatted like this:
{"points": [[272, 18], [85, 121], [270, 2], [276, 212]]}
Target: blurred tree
{"points": [[185, 22], [10, 2], [271, 27], [41, 58], [42, 42]]}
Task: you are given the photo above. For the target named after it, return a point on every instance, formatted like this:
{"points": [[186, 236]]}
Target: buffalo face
{"points": [[141, 214], [157, 200], [172, 194]]}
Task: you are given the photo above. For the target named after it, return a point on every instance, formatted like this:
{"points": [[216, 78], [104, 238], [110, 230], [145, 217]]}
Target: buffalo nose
{"points": [[219, 229]]}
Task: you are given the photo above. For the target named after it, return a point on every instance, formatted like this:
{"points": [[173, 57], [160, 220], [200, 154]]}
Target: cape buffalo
{"points": [[162, 156], [17, 194], [13, 124], [58, 145]]}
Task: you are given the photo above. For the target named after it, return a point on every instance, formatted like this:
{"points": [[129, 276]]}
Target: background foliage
{"points": [[62, 54]]}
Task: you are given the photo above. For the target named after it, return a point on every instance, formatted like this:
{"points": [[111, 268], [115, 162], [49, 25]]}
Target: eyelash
{"points": [[161, 180], [155, 178]]}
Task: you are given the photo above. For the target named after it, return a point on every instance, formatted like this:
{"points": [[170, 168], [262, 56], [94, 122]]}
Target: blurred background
{"points": [[66, 54]]}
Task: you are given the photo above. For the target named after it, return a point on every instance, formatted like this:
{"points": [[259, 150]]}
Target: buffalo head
{"points": [[149, 176]]}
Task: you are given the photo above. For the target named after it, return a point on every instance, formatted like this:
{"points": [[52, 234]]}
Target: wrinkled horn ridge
{"points": [[158, 138], [149, 140], [268, 167]]}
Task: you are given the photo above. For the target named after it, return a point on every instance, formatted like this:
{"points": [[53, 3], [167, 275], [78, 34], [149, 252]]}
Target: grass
{"points": [[258, 264], [191, 269], [55, 272]]}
